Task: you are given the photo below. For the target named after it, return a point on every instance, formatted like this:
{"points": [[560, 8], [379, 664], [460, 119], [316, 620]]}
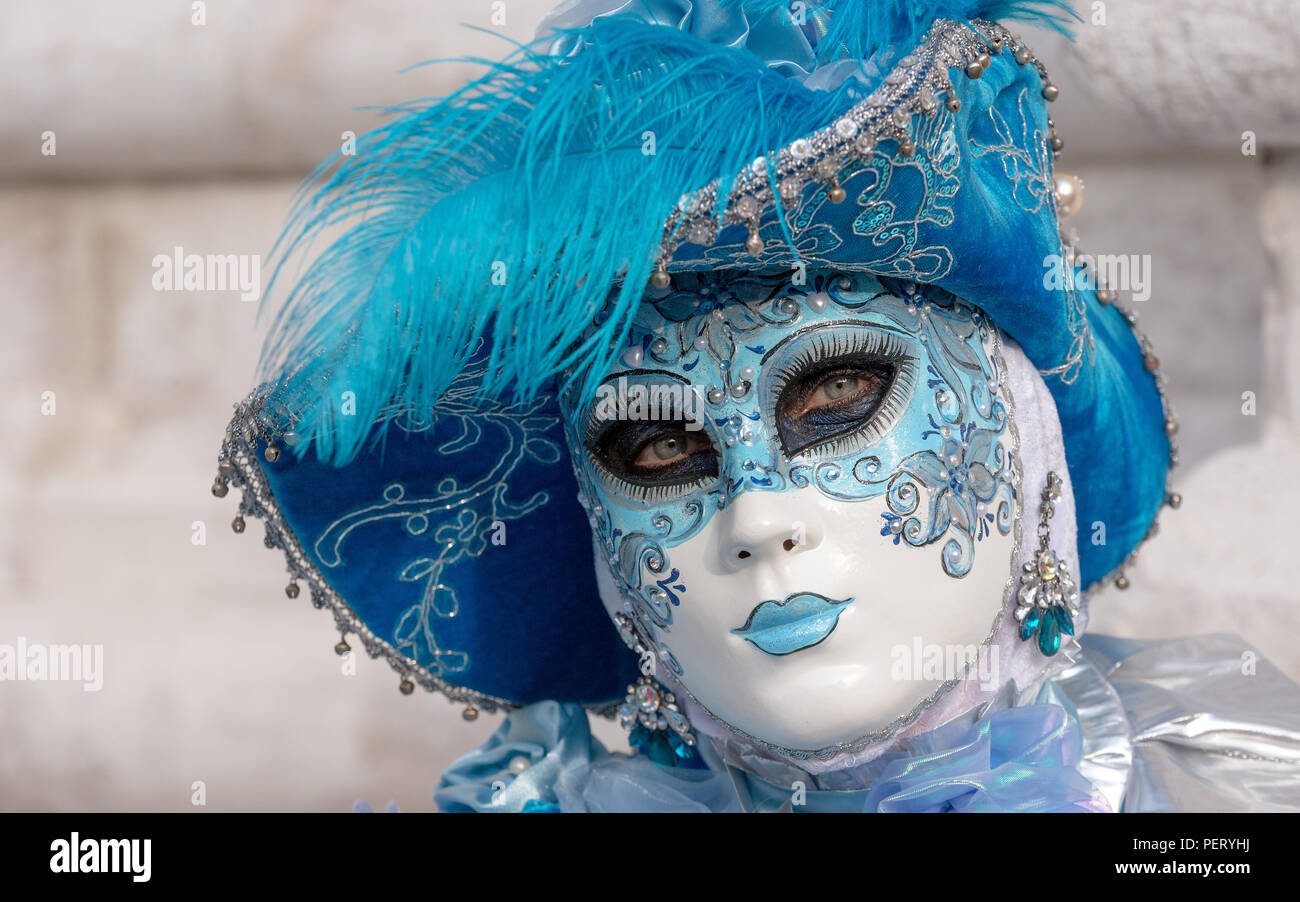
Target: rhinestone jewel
{"points": [[1047, 565], [647, 698]]}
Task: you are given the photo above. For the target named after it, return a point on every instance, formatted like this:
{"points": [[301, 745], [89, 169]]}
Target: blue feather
{"points": [[534, 172], [501, 215]]}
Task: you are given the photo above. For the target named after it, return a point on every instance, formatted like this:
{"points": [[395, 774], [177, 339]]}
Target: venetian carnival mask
{"points": [[793, 485]]}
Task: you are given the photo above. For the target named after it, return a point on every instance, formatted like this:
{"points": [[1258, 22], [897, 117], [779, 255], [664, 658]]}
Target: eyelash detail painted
{"points": [[650, 493], [623, 483], [824, 348]]}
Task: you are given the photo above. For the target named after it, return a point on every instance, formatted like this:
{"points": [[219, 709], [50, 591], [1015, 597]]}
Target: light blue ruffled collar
{"points": [[999, 758]]}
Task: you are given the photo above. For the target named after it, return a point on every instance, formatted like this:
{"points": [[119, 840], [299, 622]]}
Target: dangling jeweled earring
{"points": [[658, 727], [1047, 595]]}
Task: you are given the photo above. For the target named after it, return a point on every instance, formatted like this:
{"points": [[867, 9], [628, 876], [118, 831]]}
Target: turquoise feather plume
{"points": [[502, 214]]}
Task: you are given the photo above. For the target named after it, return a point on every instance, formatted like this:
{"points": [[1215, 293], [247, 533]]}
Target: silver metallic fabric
{"points": [[1208, 723]]}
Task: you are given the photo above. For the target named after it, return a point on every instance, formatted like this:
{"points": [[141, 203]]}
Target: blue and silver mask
{"points": [[790, 479]]}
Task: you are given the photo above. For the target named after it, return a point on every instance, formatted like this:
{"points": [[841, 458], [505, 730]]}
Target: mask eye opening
{"points": [[815, 354]]}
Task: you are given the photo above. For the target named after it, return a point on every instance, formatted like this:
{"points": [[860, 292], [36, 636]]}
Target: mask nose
{"points": [[766, 527]]}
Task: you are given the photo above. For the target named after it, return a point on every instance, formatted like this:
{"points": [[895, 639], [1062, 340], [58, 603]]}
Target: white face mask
{"points": [[790, 485]]}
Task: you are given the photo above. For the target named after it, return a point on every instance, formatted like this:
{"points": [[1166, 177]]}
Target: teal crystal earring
{"points": [[1047, 594], [659, 729]]}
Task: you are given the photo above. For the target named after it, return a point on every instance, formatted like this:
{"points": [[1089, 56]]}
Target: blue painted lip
{"points": [[802, 620]]}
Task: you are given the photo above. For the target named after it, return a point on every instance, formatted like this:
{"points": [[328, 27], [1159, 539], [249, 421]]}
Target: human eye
{"points": [[839, 385], [654, 459]]}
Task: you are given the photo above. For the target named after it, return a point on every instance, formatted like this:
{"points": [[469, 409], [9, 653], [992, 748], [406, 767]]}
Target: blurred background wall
{"points": [[170, 133]]}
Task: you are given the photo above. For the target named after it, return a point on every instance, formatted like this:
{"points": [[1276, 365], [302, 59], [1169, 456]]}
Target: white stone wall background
{"points": [[134, 89], [169, 135]]}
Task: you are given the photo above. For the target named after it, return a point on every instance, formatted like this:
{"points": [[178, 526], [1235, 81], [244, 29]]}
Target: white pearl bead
{"points": [[519, 764], [1069, 194]]}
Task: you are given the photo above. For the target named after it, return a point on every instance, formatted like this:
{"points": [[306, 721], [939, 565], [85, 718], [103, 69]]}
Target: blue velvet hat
{"points": [[404, 445]]}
